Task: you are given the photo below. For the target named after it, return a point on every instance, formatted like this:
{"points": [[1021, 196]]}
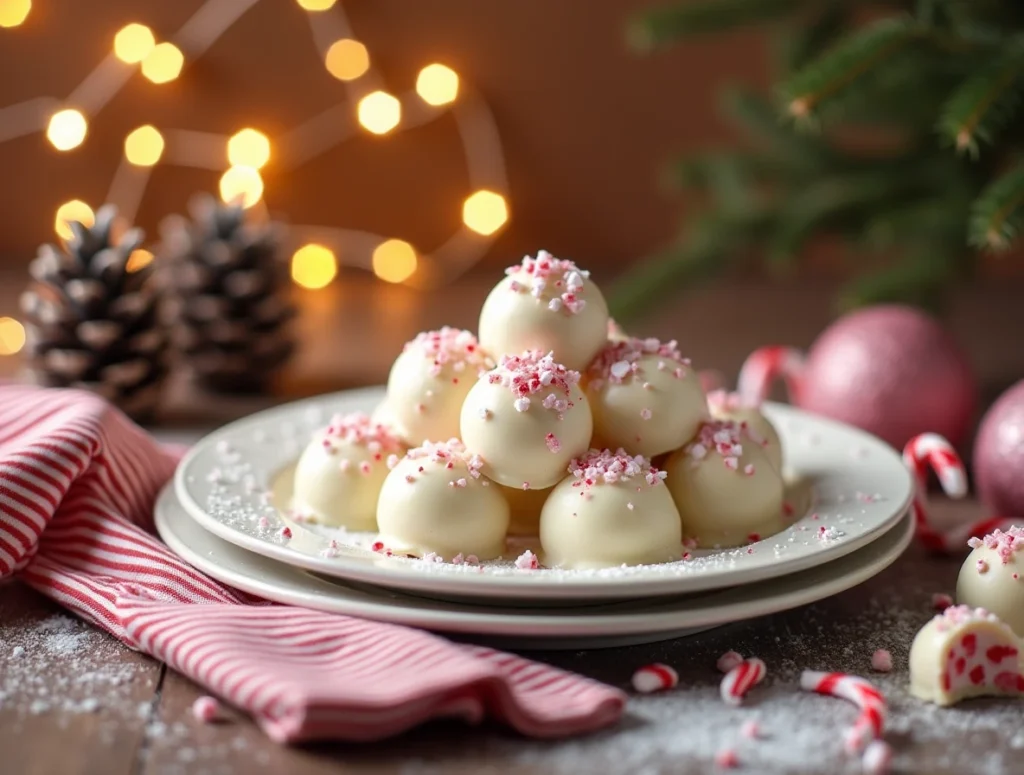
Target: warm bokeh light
{"points": [[244, 182], [139, 259], [314, 266], [437, 84], [75, 210], [12, 336], [66, 129], [163, 63], [394, 261], [379, 112], [347, 59], [316, 5], [249, 148], [485, 212], [133, 43], [13, 13], [144, 146]]}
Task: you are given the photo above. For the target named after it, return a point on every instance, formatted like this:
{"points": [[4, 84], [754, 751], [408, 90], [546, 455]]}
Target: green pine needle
{"points": [[986, 102], [998, 213], [662, 26]]}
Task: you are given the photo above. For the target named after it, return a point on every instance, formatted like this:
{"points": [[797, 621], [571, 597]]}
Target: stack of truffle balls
{"points": [[552, 423]]}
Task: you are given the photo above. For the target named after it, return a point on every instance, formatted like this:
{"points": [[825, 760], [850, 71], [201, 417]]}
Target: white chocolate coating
{"points": [[340, 473], [726, 490], [992, 577], [524, 509], [426, 506], [645, 397], [382, 415], [612, 509], [616, 333], [549, 305], [962, 653], [526, 419], [730, 406], [429, 381]]}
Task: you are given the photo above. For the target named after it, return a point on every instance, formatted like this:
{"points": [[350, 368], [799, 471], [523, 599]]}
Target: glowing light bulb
{"points": [[13, 13], [314, 266], [437, 84], [249, 148], [67, 129], [242, 183], [394, 260], [163, 63], [12, 336], [347, 59], [133, 43], [485, 212], [75, 210], [139, 259], [379, 112], [144, 146], [316, 5]]}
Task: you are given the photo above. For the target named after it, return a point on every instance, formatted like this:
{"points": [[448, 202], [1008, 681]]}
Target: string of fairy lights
{"points": [[369, 107]]}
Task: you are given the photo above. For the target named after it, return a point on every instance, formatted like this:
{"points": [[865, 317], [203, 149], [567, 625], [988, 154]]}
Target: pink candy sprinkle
{"points": [[982, 566], [450, 346], [941, 601], [206, 709], [728, 661], [364, 468], [721, 436], [751, 730], [881, 661], [534, 373], [1004, 544], [602, 466], [562, 280], [360, 430], [285, 532], [645, 414], [527, 561], [620, 360], [264, 523], [727, 759]]}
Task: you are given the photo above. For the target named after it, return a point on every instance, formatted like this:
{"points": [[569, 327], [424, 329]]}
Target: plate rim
{"points": [[509, 586]]}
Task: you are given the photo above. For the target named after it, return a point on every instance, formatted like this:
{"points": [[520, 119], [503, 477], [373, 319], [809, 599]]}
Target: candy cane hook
{"points": [[931, 451], [764, 366]]}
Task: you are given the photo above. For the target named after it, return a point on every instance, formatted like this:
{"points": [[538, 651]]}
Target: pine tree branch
{"points": [[997, 215], [841, 67], [763, 123], [661, 26], [986, 102], [804, 44]]}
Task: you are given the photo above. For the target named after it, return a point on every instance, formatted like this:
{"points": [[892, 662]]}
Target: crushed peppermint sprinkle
{"points": [[645, 414], [881, 661], [725, 438], [621, 359], [1004, 544], [553, 443], [723, 400], [561, 280], [604, 466], [206, 709], [359, 429], [982, 566], [534, 373], [941, 601], [727, 759], [285, 532], [751, 729], [452, 346], [827, 534], [448, 454], [957, 615], [527, 561]]}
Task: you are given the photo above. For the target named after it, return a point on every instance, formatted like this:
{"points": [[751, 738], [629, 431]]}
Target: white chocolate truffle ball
{"points": [[549, 305], [524, 509], [965, 652], [612, 509], [435, 500], [733, 407], [339, 475], [727, 492], [644, 396], [992, 576], [526, 420], [430, 380]]}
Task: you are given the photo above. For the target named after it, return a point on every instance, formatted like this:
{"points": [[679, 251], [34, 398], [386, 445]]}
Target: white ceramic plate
{"points": [[589, 626], [846, 483]]}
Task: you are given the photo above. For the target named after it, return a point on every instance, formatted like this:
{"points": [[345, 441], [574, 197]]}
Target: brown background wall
{"points": [[587, 126]]}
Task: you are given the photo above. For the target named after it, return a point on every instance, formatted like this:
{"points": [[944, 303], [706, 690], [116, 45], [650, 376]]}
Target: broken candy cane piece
{"points": [[852, 688], [655, 678], [931, 451], [741, 679], [763, 366], [881, 661], [206, 709], [965, 652]]}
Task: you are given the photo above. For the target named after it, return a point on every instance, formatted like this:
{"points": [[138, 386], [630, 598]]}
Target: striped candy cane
{"points": [[852, 688], [931, 451], [764, 366], [741, 679]]}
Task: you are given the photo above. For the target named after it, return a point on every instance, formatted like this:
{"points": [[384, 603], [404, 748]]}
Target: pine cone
{"points": [[92, 317], [229, 296]]}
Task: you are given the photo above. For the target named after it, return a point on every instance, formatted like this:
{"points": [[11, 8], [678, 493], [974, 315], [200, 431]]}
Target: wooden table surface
{"points": [[73, 700]]}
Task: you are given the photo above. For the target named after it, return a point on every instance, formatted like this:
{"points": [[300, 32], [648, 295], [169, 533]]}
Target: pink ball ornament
{"points": [[999, 454], [891, 370]]}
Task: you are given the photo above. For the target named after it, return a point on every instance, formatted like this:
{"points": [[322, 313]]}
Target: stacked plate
{"points": [[849, 493]]}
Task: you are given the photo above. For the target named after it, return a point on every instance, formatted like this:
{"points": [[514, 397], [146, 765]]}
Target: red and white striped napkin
{"points": [[77, 485]]}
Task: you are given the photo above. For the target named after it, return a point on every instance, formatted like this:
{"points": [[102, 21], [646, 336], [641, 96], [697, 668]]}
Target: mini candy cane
{"points": [[741, 679], [764, 366], [655, 678], [852, 688], [929, 450]]}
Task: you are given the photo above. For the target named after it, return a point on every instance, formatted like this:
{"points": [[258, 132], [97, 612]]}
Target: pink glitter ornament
{"points": [[891, 370], [999, 454]]}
